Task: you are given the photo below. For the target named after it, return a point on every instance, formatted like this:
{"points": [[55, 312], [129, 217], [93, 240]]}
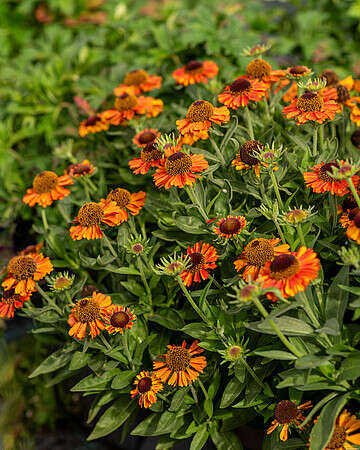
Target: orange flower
{"points": [[246, 157], [199, 119], [81, 169], [332, 78], [47, 187], [343, 436], [290, 272], [146, 386], [258, 252], [9, 301], [312, 106], [351, 222], [138, 81], [125, 203], [343, 89], [146, 137], [179, 168], [320, 180], [195, 72], [89, 312], [262, 71], [152, 107], [240, 92], [126, 106], [24, 271], [354, 104], [150, 156], [202, 257], [291, 93], [181, 363], [287, 414], [30, 249], [298, 71], [93, 124], [119, 320], [230, 227], [89, 218]]}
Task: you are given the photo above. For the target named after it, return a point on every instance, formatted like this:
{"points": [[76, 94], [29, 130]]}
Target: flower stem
{"points": [[267, 110], [105, 342], [195, 201], [315, 136], [321, 137], [301, 234], [276, 188], [191, 300], [110, 247], [44, 219], [353, 190], [132, 225], [203, 388], [143, 278], [277, 330], [252, 373], [127, 351], [279, 230], [48, 299], [218, 152], [249, 123]]}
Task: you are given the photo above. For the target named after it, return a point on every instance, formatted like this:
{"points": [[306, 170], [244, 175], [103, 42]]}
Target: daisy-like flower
{"points": [[89, 218], [230, 227], [331, 77], [146, 387], [24, 271], [138, 81], [93, 124], [351, 222], [202, 257], [89, 312], [181, 363], [199, 118], [146, 137], [319, 179], [343, 89], [298, 71], [179, 168], [195, 72], [126, 203], [290, 272], [242, 91], [119, 320], [262, 71], [355, 110], [81, 169], [286, 415], [246, 157], [61, 282], [126, 106], [313, 106], [258, 252], [152, 107], [9, 301], [344, 436], [291, 93], [150, 156], [47, 187], [30, 249]]}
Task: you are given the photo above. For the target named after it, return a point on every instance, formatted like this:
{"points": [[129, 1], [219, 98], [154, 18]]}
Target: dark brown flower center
{"points": [[119, 319], [79, 169], [92, 120], [332, 78], [342, 93], [286, 411], [144, 385], [298, 70], [338, 438], [258, 69], [355, 138], [120, 196], [137, 248], [22, 267], [247, 151], [136, 77], [230, 226], [357, 219], [151, 153], [197, 261], [87, 310], [284, 266], [90, 214], [349, 203], [323, 172], [239, 85], [200, 111], [147, 137], [9, 297], [310, 101], [258, 252], [178, 358], [125, 102], [45, 182], [178, 163], [194, 66]]}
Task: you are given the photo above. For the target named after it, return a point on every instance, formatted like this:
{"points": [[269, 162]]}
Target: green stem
{"points": [[50, 301], [111, 248], [301, 234], [249, 123], [315, 136], [143, 278], [218, 152], [321, 137], [276, 188], [92, 186], [277, 330], [105, 342], [353, 190], [203, 388], [279, 230], [44, 219], [127, 351], [195, 201], [252, 373], [267, 110], [132, 225], [67, 293], [333, 130], [194, 393], [191, 300]]}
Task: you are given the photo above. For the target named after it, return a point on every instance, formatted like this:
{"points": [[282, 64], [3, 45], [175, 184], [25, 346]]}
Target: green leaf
{"points": [[231, 392], [53, 362], [324, 427], [200, 438], [122, 270], [197, 330], [158, 424], [209, 407], [350, 367], [226, 440], [276, 354], [337, 298], [288, 325], [79, 360], [190, 224], [178, 399], [311, 361], [94, 382], [123, 379], [113, 417], [168, 318]]}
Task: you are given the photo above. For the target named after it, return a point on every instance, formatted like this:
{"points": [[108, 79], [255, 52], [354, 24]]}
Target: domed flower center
{"points": [[284, 266], [355, 138], [323, 172], [80, 169], [258, 69], [45, 182], [21, 267], [147, 137], [178, 163], [235, 352], [194, 66], [62, 283], [92, 120], [136, 77], [200, 111], [120, 196], [230, 226], [90, 214], [87, 310], [310, 101], [178, 358], [342, 93], [119, 319], [197, 261], [144, 385], [151, 153], [298, 70], [137, 248], [332, 78], [286, 411], [258, 252], [239, 85], [349, 203], [125, 102], [247, 151], [338, 438], [9, 297]]}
